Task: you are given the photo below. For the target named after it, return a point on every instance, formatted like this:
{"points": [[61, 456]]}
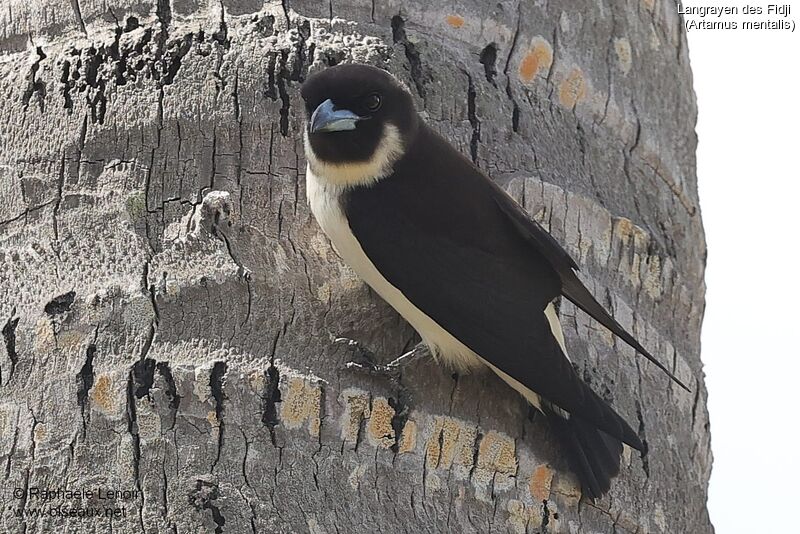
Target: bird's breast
{"points": [[325, 200]]}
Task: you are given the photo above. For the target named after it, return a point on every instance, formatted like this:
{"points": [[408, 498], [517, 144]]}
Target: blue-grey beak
{"points": [[327, 119]]}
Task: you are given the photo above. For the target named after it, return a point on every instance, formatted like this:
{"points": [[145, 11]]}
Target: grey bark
{"points": [[167, 301]]}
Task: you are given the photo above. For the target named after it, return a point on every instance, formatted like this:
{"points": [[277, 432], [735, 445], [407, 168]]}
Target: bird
{"points": [[455, 256]]}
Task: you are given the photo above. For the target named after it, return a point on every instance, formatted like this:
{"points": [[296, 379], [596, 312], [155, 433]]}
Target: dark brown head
{"points": [[360, 120]]}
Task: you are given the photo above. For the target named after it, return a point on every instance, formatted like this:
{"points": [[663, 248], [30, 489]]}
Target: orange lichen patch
{"points": [[652, 277], [540, 482], [301, 405], [633, 241], [496, 466], [572, 89], [211, 417], [44, 340], [379, 427], [624, 55], [624, 228], [101, 394], [256, 380], [649, 4], [433, 451], [324, 292], [70, 341], [538, 58], [627, 455], [497, 453], [356, 408], [408, 438], [455, 21], [450, 443], [39, 432]]}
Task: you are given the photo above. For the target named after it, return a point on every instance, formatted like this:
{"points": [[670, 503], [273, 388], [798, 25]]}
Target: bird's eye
{"points": [[372, 102]]}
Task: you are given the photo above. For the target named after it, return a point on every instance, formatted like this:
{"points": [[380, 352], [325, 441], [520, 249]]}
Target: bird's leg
{"points": [[362, 357], [419, 350], [367, 362]]}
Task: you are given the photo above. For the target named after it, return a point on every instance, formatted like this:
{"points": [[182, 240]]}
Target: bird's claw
{"points": [[364, 361], [361, 355], [391, 372]]}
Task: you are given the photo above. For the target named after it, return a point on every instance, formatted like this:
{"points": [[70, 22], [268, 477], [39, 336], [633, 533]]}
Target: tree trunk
{"points": [[168, 302]]}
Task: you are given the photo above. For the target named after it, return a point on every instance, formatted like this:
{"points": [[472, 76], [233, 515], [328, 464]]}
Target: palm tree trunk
{"points": [[168, 303]]}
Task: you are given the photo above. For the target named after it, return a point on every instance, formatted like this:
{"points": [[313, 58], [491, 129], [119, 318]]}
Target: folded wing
{"points": [[565, 266], [436, 233]]}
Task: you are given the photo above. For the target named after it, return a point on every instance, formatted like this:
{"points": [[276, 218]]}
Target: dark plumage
{"points": [[455, 255]]}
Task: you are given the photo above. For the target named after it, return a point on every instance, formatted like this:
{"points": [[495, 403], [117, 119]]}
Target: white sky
{"points": [[748, 93]]}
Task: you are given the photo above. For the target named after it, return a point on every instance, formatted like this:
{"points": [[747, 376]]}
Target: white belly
{"points": [[323, 198]]}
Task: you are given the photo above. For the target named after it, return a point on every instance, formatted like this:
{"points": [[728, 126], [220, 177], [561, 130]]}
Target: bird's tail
{"points": [[592, 454]]}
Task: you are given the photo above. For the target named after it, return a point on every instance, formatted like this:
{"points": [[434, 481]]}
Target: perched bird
{"points": [[455, 256]]}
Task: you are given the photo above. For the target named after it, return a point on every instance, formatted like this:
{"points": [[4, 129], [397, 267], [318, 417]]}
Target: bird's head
{"points": [[360, 120]]}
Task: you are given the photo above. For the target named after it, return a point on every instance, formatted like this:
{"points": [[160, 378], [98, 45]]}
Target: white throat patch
{"points": [[363, 172]]}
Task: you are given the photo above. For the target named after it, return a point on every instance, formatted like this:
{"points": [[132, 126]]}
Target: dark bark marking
{"points": [[131, 23], [272, 395], [35, 87], [60, 304], [412, 54], [399, 419], [643, 438], [171, 391], [133, 430], [545, 516], [488, 59], [202, 497], [67, 83], [85, 380], [216, 383], [143, 375], [10, 340], [515, 111], [283, 74], [473, 120]]}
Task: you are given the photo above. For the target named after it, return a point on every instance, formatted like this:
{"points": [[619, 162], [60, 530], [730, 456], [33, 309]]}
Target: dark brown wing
{"points": [[565, 266], [435, 232]]}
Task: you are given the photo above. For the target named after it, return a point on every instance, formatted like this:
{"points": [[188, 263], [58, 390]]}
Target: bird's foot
{"points": [[364, 360]]}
